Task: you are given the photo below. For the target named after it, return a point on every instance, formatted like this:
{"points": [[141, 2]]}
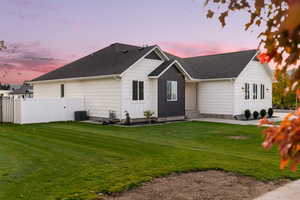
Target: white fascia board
{"points": [[213, 79], [172, 63], [116, 76]]}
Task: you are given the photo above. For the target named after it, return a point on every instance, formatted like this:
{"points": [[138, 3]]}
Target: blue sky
{"points": [[43, 35]]}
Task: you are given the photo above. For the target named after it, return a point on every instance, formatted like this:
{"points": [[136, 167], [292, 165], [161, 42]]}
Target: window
{"points": [[254, 91], [62, 90], [171, 90], [137, 90], [262, 91], [247, 91]]}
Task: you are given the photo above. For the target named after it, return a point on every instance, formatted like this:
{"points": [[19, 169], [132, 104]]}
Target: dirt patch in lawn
{"points": [[238, 137], [206, 185]]}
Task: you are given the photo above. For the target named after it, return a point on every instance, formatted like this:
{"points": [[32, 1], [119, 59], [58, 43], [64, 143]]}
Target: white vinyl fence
{"points": [[26, 111], [7, 110]]}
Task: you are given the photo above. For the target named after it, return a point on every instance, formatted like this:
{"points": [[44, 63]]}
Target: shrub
{"points": [[263, 113], [270, 112], [127, 119], [255, 115], [148, 114], [247, 114]]}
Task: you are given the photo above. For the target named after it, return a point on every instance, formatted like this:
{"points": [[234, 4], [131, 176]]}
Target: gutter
{"points": [[115, 76], [213, 79]]}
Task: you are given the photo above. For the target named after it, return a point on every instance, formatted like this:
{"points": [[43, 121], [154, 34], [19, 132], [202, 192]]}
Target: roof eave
{"points": [[117, 76]]}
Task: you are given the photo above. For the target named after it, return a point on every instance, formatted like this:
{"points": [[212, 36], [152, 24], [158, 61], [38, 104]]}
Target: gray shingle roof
{"points": [[113, 59], [227, 65], [161, 68], [118, 57]]}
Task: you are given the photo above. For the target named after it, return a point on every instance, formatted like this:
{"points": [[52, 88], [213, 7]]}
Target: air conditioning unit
{"points": [[112, 115]]}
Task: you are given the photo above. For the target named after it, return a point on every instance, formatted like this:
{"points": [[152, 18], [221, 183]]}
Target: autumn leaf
{"points": [[222, 18], [210, 14], [284, 163], [293, 19], [259, 4]]}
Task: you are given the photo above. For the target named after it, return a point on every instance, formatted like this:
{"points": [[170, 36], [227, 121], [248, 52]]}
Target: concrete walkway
{"points": [[277, 117], [290, 191]]}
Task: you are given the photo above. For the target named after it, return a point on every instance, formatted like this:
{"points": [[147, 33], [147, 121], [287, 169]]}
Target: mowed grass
{"points": [[78, 160]]}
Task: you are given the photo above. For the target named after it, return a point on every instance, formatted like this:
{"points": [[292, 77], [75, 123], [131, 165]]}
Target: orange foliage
{"points": [[287, 137], [281, 43]]}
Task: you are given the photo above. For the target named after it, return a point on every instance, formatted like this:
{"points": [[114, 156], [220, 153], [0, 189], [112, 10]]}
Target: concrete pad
{"points": [[290, 191], [277, 117]]}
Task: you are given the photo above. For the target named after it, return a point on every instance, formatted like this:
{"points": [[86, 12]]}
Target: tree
{"points": [[280, 41], [288, 100], [2, 45]]}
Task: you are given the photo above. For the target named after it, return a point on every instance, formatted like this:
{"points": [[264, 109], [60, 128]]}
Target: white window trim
{"points": [[172, 99], [138, 92]]}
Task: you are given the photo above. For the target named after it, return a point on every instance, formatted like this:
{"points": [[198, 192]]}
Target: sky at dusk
{"points": [[42, 35]]}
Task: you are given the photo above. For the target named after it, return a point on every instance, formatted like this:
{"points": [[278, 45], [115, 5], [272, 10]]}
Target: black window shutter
{"points": [[141, 90], [134, 90]]}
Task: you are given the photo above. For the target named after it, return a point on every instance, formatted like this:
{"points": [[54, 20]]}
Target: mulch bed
{"points": [[206, 185]]}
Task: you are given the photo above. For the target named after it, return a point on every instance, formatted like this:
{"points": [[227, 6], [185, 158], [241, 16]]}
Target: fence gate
{"points": [[6, 109]]}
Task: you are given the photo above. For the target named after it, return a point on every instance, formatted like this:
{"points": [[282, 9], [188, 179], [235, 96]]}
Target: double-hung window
{"points": [[137, 90], [172, 93], [262, 91], [254, 91], [247, 91]]}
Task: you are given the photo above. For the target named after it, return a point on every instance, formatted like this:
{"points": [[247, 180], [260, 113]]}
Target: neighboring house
{"points": [[123, 78], [25, 91], [4, 93]]}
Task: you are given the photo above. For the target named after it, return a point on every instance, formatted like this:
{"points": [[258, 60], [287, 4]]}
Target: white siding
{"points": [[253, 73], [215, 97], [46, 90], [140, 72], [100, 95], [190, 96]]}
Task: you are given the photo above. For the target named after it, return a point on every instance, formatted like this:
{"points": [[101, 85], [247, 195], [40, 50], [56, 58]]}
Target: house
{"points": [[4, 93], [25, 91], [129, 78], [5, 90]]}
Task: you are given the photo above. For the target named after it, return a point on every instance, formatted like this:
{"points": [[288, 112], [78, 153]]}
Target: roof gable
{"points": [[154, 56], [165, 66], [228, 65]]}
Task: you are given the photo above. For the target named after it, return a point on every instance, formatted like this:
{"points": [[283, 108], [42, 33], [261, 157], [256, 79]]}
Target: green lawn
{"points": [[77, 160]]}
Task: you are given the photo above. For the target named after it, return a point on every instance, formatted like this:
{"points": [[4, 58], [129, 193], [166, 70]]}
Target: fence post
{"points": [[1, 109]]}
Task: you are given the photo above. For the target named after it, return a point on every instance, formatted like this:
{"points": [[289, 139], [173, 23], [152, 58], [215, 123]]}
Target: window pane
{"points": [[62, 90], [141, 90], [169, 86], [134, 90], [254, 91], [247, 91], [174, 90], [262, 91]]}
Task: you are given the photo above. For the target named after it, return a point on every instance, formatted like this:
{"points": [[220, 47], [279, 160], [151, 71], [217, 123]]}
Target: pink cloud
{"points": [[22, 61], [198, 49]]}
